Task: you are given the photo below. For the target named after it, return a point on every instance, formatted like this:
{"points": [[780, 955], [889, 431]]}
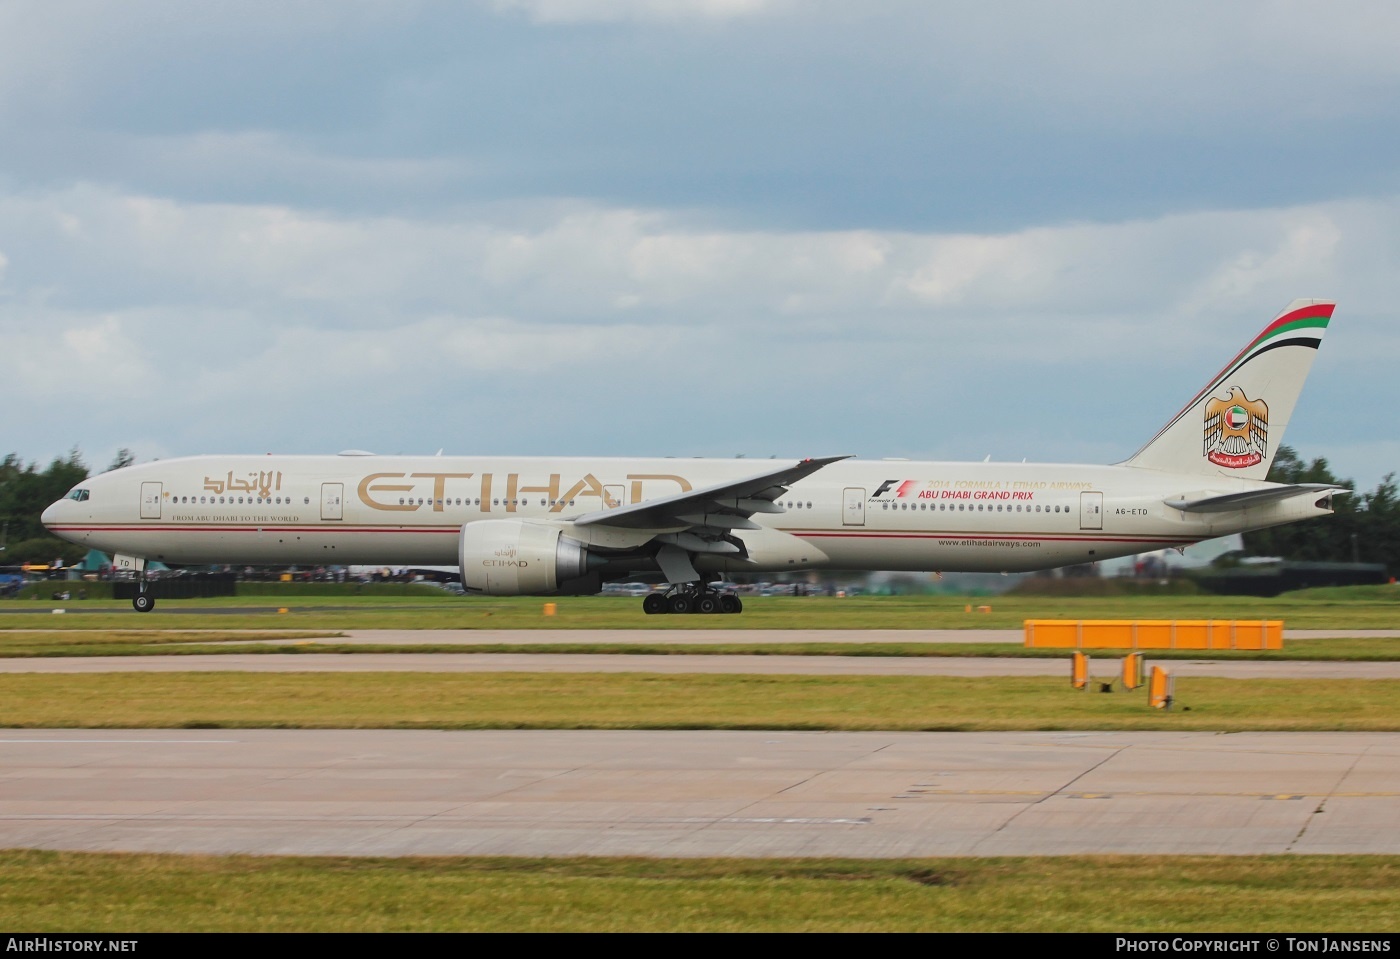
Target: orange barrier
{"points": [[1154, 633], [1160, 689], [1132, 671], [1079, 671]]}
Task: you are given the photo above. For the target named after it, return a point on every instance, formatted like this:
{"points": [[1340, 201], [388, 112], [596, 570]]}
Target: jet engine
{"points": [[515, 557]]}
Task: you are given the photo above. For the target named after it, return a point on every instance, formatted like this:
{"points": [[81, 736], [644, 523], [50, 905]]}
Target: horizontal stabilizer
{"points": [[1254, 497]]}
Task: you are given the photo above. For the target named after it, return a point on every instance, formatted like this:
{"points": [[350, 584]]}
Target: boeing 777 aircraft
{"points": [[541, 525]]}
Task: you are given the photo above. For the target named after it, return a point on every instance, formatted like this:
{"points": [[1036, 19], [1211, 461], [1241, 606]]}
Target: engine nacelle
{"points": [[515, 557]]}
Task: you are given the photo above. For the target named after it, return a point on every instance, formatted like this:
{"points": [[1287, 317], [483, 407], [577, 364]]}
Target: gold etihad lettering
{"points": [[365, 489], [588, 486], [261, 483], [639, 478], [513, 480], [377, 490], [439, 485]]}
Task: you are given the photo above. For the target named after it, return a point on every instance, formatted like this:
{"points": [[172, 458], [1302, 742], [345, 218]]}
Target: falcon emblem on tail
{"points": [[1236, 430]]}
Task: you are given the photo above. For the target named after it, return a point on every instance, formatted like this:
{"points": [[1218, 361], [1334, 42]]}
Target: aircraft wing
{"points": [[1255, 497], [722, 506]]}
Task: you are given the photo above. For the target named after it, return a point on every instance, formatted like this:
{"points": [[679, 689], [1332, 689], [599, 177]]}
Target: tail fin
{"points": [[1234, 425]]}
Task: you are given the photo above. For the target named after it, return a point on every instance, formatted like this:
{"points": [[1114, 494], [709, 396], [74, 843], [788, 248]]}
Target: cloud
{"points": [[74, 359], [575, 328], [592, 11], [93, 249], [890, 115]]}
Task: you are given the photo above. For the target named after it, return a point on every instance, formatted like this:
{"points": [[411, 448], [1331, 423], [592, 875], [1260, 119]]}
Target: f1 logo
{"points": [[883, 488]]}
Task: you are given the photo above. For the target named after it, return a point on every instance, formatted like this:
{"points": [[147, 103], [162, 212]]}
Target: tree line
{"points": [[1365, 527], [25, 492]]}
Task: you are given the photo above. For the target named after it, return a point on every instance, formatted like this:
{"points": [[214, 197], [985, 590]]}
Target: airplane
{"points": [[564, 526]]}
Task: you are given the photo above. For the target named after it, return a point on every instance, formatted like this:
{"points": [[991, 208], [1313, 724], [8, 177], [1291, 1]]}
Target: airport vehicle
{"points": [[540, 526]]}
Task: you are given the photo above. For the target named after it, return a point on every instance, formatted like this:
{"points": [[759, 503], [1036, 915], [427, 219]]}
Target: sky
{"points": [[784, 228]]}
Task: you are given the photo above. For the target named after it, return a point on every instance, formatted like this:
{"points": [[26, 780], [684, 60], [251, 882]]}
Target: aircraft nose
{"points": [[50, 515]]}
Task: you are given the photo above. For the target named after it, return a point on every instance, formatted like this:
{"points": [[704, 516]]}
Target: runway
{"points": [[749, 794], [1104, 667], [695, 793]]}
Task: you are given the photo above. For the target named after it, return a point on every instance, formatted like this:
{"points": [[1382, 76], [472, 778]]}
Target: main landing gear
{"points": [[691, 598]]}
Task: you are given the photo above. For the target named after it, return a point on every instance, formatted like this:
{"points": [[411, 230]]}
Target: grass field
{"points": [[1358, 607], [687, 701], [76, 892], [71, 892]]}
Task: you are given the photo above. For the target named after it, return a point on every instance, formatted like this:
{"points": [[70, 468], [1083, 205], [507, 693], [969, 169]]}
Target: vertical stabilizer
{"points": [[1234, 426]]}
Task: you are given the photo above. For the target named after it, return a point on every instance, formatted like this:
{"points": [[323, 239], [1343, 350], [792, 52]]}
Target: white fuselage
{"points": [[859, 515]]}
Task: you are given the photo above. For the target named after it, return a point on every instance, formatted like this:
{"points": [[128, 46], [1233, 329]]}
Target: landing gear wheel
{"points": [[708, 603], [680, 603], [654, 603], [729, 603], [143, 602]]}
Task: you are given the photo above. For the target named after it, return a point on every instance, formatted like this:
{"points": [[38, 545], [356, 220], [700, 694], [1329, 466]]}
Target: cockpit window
{"points": [[79, 495]]}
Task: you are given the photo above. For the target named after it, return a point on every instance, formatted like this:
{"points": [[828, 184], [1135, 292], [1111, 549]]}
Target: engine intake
{"points": [[514, 557]]}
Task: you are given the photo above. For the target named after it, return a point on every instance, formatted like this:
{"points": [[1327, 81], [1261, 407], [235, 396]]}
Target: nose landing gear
{"points": [[144, 601]]}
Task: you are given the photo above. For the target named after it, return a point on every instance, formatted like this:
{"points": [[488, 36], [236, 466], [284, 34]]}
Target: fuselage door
{"points": [[150, 500], [616, 496], [331, 495], [853, 506], [1090, 510]]}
